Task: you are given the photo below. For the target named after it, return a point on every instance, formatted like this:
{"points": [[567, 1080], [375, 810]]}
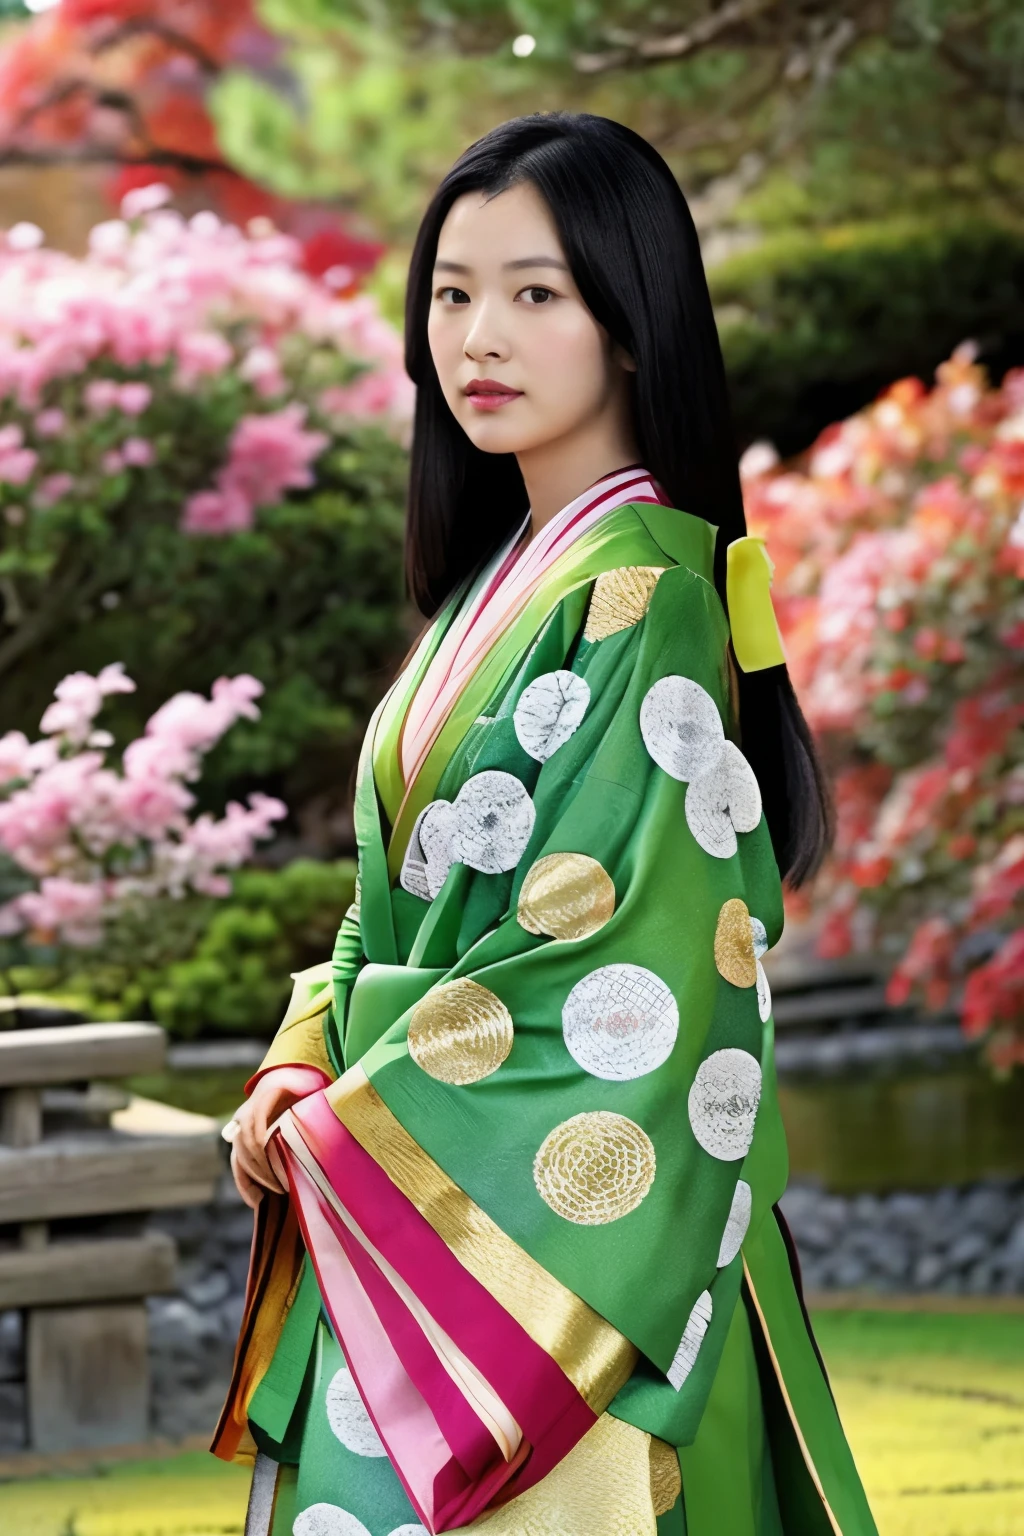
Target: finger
{"points": [[250, 1192], [256, 1166]]}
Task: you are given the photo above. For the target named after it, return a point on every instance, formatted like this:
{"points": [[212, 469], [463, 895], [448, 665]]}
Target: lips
{"points": [[490, 394]]}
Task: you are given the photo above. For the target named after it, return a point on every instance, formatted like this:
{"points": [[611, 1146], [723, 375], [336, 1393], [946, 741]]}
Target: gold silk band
{"points": [[756, 641], [597, 1359]]}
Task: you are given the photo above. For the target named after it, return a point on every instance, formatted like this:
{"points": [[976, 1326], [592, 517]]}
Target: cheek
{"points": [[567, 360], [444, 337]]}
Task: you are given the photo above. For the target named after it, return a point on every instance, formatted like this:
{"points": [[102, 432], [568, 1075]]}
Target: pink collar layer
{"points": [[499, 595]]}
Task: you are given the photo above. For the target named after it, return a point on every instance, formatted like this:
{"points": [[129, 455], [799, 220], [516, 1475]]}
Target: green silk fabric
{"points": [[602, 795]]}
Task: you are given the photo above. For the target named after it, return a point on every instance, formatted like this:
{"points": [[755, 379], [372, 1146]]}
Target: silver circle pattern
{"points": [[428, 855], [723, 1102], [681, 727], [759, 934], [549, 710], [685, 1357], [327, 1520], [736, 1223], [494, 818], [764, 994], [620, 1022], [346, 1414], [722, 802]]}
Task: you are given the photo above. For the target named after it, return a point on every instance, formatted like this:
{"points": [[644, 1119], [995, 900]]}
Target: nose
{"points": [[484, 339]]}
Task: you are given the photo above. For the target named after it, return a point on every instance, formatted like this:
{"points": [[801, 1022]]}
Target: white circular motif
{"points": [[327, 1520], [620, 1022], [681, 727], [494, 818], [764, 994], [723, 802], [736, 1224], [723, 1103], [348, 1418], [759, 934], [428, 856], [549, 711], [685, 1357]]}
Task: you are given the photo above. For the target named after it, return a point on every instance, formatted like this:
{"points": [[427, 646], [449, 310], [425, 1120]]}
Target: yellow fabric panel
{"points": [[602, 1488]]}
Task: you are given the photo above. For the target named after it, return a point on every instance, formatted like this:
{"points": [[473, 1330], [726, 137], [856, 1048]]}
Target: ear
{"points": [[622, 357]]}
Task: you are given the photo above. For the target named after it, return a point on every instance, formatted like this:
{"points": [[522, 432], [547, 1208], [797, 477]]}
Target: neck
{"points": [[557, 473]]}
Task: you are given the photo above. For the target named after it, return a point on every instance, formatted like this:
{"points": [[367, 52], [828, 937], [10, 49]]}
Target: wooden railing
{"points": [[75, 1150]]}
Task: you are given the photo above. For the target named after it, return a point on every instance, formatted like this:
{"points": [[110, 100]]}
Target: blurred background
{"points": [[207, 210]]}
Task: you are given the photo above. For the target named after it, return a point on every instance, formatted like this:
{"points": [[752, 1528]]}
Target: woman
{"points": [[517, 1266]]}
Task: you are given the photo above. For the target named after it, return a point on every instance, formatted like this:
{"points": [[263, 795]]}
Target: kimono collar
{"points": [[499, 595]]}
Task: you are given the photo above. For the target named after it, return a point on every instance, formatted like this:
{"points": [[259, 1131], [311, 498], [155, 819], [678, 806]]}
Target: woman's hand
{"points": [[275, 1092]]}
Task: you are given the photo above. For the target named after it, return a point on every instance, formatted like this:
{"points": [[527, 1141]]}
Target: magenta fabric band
{"points": [[415, 1445], [391, 1361], [551, 1413]]}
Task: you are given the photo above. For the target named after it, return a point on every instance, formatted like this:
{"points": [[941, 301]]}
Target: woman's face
{"points": [[522, 362]]}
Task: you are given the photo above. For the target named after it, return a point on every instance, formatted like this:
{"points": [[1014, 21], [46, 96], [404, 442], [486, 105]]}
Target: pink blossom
{"points": [[65, 907], [142, 200], [18, 466], [49, 423], [270, 454], [261, 367], [112, 463], [101, 395], [25, 236], [201, 353], [134, 398], [53, 488], [223, 511], [15, 757], [137, 451], [11, 437], [149, 805], [79, 698]]}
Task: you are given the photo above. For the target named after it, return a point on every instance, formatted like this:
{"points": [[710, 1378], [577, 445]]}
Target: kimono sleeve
{"points": [[309, 1033], [590, 1072], [532, 1184]]}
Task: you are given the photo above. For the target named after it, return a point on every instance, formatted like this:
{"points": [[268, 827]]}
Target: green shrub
{"points": [[815, 323], [309, 601], [213, 967]]}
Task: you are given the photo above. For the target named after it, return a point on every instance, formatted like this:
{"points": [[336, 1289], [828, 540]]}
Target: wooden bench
{"points": [[72, 1146]]}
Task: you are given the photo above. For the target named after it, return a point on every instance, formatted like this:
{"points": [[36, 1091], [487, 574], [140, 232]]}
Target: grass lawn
{"points": [[933, 1404]]}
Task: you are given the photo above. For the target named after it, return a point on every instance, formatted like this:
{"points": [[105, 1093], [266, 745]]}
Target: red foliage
{"points": [[898, 544], [127, 81]]}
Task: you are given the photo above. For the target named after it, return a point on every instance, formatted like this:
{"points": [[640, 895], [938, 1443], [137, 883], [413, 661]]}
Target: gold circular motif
{"points": [[566, 896], [734, 944], [594, 1168], [666, 1481], [620, 599], [460, 1032]]}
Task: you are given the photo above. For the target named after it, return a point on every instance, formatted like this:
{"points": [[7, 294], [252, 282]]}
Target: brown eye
{"points": [[453, 295], [536, 295]]}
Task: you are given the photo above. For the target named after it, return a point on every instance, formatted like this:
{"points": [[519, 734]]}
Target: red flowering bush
{"points": [[898, 544]]}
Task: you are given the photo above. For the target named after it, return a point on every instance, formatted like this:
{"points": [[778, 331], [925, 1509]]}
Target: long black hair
{"points": [[632, 248]]}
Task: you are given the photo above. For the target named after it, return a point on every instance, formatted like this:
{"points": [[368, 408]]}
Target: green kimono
{"points": [[548, 1037]]}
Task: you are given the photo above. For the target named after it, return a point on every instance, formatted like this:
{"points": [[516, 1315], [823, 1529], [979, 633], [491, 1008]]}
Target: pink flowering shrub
{"points": [[898, 544], [179, 362], [82, 842]]}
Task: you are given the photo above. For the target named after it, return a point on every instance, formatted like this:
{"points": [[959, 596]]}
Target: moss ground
{"points": [[933, 1405]]}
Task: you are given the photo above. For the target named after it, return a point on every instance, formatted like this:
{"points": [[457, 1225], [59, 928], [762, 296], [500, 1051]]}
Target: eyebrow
{"points": [[507, 266]]}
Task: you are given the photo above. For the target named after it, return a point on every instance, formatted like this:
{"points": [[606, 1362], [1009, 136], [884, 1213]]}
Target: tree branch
{"points": [[705, 31], [147, 27]]}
